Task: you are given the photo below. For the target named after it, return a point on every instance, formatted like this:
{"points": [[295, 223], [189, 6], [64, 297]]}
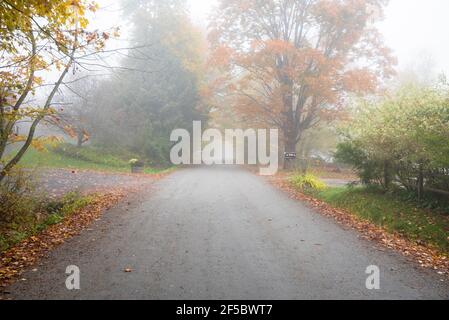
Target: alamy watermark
{"points": [[373, 281], [236, 146], [73, 281]]}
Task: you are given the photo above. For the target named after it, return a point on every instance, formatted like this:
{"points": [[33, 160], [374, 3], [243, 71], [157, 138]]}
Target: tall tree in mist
{"points": [[291, 63], [157, 89]]}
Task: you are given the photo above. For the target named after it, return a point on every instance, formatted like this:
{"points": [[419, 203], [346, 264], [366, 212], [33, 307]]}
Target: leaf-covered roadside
{"points": [[425, 256], [26, 254]]}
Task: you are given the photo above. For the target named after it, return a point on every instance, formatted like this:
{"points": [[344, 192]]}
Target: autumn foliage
{"points": [[37, 38], [292, 63]]}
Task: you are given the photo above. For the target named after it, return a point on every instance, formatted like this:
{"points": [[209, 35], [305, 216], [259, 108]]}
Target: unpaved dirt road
{"points": [[223, 233]]}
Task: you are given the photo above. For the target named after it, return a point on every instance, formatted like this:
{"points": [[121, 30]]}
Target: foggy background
{"points": [[416, 30]]}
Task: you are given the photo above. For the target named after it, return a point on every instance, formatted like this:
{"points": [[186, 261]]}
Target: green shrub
{"points": [[20, 207], [307, 182], [401, 139], [369, 170], [18, 200], [73, 202], [51, 220]]}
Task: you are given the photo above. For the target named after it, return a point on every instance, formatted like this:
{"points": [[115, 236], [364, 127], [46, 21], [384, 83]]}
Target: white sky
{"points": [[415, 29]]}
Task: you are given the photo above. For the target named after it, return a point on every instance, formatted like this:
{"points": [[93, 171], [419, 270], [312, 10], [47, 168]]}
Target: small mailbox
{"points": [[290, 155]]}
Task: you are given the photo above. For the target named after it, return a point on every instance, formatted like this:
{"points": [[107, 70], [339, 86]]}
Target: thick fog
{"points": [[416, 30]]}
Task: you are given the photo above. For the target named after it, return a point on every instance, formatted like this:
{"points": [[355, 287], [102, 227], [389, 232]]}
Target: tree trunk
{"points": [[290, 146], [80, 137], [16, 159], [290, 134]]}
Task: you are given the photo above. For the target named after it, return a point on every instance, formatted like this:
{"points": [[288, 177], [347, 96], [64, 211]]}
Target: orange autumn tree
{"points": [[291, 63]]}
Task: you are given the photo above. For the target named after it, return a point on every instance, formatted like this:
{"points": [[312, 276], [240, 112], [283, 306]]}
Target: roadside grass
{"points": [[390, 211], [34, 214], [65, 156]]}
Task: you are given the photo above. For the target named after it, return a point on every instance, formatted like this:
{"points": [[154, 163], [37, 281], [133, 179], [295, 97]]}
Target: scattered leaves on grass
{"points": [[26, 254], [426, 257]]}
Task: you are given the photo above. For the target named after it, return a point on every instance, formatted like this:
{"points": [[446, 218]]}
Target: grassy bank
{"points": [[391, 212], [86, 158], [33, 214]]}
